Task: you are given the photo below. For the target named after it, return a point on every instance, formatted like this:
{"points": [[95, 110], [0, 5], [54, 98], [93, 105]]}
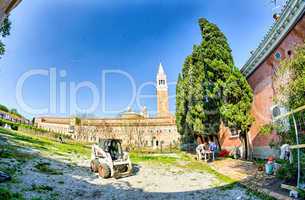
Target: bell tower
{"points": [[162, 93]]}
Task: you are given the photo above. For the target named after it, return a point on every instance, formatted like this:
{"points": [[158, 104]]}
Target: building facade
{"points": [[285, 35], [134, 129], [6, 6]]}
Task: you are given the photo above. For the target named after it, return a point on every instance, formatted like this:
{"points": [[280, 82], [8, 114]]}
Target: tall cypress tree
{"points": [[195, 116], [218, 62], [211, 89], [182, 102]]}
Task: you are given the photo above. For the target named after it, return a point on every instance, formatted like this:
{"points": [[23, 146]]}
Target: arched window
{"points": [[289, 53]]}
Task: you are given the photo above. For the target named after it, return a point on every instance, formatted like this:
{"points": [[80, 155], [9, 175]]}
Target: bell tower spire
{"points": [[162, 92]]}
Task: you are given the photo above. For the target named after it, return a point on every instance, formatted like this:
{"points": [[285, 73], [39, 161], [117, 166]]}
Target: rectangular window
{"points": [[235, 132]]}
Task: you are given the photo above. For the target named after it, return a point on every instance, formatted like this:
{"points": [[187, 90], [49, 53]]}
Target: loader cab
{"points": [[113, 147]]}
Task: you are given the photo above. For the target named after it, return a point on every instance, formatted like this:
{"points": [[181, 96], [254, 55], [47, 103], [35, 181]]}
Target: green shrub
{"points": [[4, 108], [14, 127], [287, 172], [267, 129]]}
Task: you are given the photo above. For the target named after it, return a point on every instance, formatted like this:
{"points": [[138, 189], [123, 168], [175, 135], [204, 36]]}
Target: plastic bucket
{"points": [[269, 168]]}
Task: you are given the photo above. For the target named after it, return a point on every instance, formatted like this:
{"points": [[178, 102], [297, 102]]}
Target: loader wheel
{"points": [[94, 166], [104, 171]]}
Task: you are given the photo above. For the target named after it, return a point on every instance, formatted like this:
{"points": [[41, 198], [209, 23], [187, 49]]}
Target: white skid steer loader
{"points": [[108, 159]]}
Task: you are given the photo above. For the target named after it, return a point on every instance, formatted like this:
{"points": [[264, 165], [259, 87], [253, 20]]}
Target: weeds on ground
{"points": [[41, 188], [9, 151], [15, 159], [11, 170], [45, 168], [5, 194]]}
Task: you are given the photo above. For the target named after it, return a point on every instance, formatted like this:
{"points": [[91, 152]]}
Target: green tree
{"points": [[235, 110], [211, 90], [217, 61], [4, 31], [15, 112], [4, 108], [182, 102]]}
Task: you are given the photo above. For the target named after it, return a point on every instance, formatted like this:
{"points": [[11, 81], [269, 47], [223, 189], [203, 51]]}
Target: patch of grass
{"points": [[149, 150], [138, 158], [37, 198], [181, 160], [11, 170], [6, 194], [10, 151], [41, 188], [47, 144], [45, 168]]}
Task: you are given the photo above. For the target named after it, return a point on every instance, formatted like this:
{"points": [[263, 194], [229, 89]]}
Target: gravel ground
{"points": [[148, 182], [76, 181]]}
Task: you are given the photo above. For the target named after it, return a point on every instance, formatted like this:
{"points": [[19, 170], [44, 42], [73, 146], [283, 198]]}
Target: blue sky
{"points": [[85, 38]]}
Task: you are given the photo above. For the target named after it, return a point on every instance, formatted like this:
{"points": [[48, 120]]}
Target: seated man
{"points": [[212, 148]]}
